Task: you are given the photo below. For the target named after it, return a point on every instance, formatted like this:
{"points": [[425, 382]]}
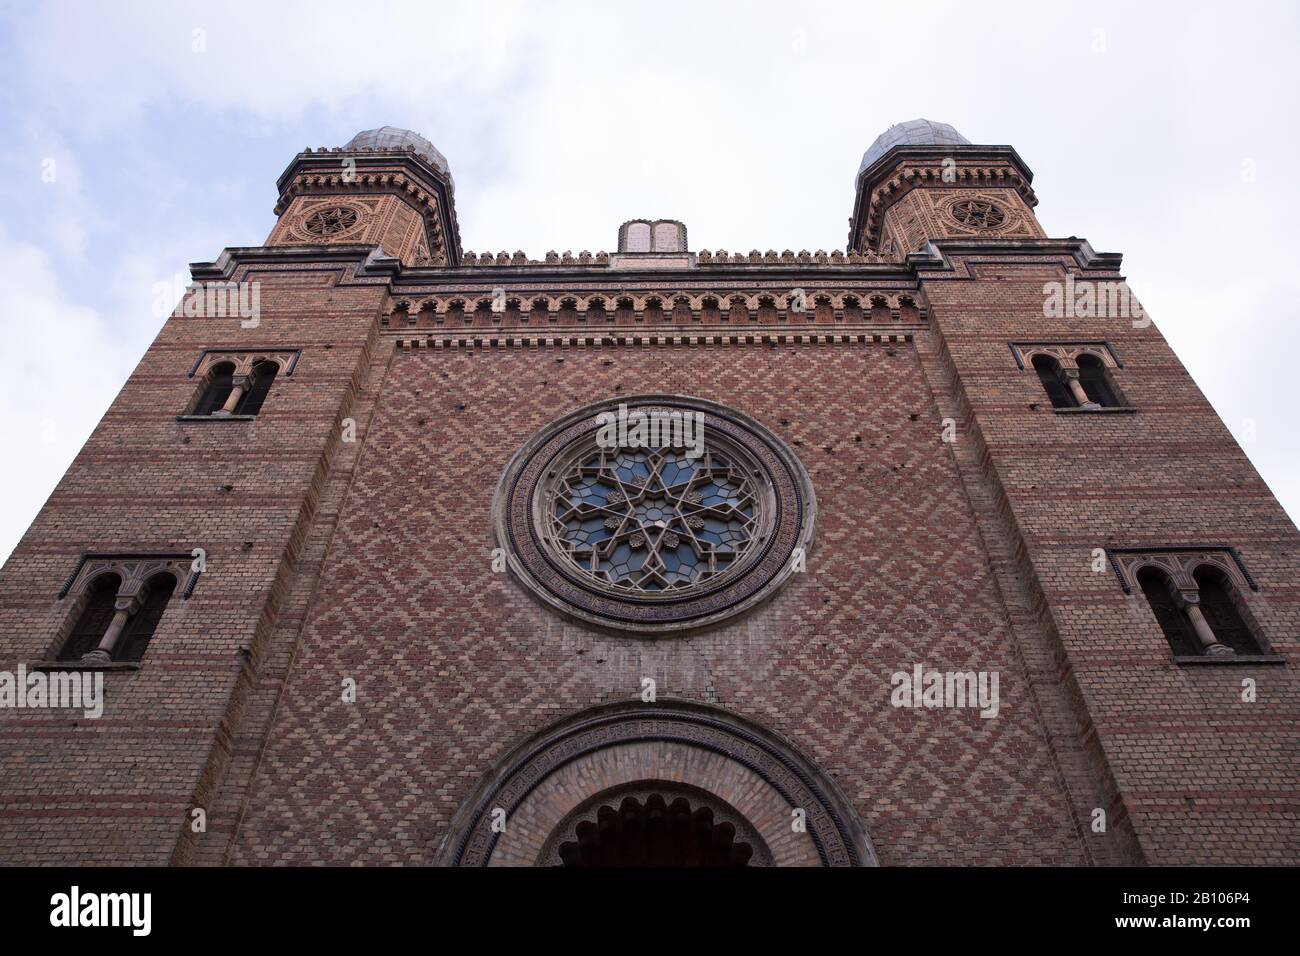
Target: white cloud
{"points": [[66, 364], [746, 120]]}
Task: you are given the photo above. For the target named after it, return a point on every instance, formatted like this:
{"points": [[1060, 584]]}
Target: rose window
{"points": [[655, 519], [657, 535]]}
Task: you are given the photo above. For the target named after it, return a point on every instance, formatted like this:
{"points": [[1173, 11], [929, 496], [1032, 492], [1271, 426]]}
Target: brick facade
{"points": [[348, 538]]}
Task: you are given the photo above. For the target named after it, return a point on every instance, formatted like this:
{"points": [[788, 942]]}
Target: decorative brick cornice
{"points": [[1180, 563], [704, 257], [939, 259], [1066, 352], [955, 255], [134, 568], [898, 302], [469, 342]]}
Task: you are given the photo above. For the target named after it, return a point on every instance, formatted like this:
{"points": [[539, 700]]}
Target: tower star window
{"points": [[977, 213], [331, 221]]}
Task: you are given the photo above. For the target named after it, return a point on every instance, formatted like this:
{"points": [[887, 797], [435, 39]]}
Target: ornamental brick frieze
{"points": [[134, 570], [578, 341], [1180, 563], [781, 304], [705, 257], [1066, 353], [243, 360]]}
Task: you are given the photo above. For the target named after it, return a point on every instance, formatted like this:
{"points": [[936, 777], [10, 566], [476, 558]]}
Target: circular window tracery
{"points": [[654, 529], [978, 213], [331, 221], [654, 520]]}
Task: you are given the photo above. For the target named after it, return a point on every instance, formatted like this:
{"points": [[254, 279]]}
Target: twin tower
{"points": [[391, 188]]}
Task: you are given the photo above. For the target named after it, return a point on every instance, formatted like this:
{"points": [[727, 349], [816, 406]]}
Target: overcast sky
{"points": [[1162, 131]]}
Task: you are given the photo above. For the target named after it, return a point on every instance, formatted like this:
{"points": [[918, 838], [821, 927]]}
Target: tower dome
{"points": [[394, 137], [917, 132]]}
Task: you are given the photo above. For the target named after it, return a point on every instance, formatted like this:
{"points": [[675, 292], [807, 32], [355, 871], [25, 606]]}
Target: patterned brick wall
{"points": [[371, 560], [119, 789], [1204, 775], [455, 664]]}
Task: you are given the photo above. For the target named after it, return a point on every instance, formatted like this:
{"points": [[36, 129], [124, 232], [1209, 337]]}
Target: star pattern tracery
{"points": [[330, 221], [653, 520], [978, 213]]}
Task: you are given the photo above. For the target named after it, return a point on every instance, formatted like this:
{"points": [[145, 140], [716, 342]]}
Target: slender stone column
{"points": [[1209, 643], [1076, 387], [103, 654], [239, 385]]}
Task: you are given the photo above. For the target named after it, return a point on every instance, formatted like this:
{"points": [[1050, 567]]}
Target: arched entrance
{"points": [[655, 824], [665, 784]]}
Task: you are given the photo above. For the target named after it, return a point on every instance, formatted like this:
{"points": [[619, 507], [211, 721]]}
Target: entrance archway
{"points": [[594, 788], [655, 824]]}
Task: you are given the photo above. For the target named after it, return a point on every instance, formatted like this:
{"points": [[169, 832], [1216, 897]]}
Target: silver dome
{"points": [[394, 137], [917, 132]]}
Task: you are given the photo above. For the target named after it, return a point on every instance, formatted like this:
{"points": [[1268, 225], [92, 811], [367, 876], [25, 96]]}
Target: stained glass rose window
{"points": [[654, 514]]}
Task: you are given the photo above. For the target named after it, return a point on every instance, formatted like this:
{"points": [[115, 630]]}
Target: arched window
{"points": [[259, 386], [219, 383], [96, 615], [1219, 606], [1049, 373], [140, 629], [1096, 381], [1173, 622]]}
